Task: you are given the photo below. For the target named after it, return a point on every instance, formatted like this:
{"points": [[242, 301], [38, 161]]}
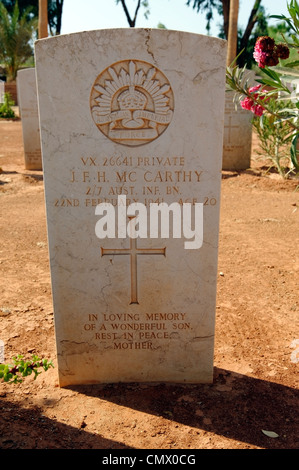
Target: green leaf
{"points": [[262, 121], [294, 152], [272, 74], [289, 112], [295, 63], [271, 83], [270, 433], [278, 17]]}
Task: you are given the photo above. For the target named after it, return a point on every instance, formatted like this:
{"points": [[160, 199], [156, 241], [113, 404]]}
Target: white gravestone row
{"points": [[132, 117], [27, 98]]}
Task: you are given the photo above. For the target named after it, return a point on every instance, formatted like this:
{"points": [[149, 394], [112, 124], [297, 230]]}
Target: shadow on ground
{"points": [[235, 406], [28, 428]]}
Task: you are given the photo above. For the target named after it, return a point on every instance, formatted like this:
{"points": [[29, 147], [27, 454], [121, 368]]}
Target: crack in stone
{"points": [[200, 338], [204, 75], [147, 39]]}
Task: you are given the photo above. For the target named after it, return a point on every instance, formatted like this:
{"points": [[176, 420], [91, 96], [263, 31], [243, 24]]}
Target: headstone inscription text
{"points": [[27, 98], [131, 309]]}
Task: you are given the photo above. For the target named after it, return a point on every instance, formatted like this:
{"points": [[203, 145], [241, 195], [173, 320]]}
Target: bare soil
{"points": [[255, 386]]}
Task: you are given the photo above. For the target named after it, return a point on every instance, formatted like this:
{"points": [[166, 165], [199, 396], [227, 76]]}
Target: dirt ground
{"points": [[255, 385]]}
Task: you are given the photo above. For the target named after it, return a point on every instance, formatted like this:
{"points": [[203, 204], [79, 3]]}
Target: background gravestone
{"points": [[136, 113], [2, 91], [27, 98], [237, 141]]}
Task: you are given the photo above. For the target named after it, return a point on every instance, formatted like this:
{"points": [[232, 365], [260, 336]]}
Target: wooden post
{"points": [[42, 19], [232, 31]]}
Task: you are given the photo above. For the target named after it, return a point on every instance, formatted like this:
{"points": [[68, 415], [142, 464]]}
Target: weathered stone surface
{"points": [[137, 114]]}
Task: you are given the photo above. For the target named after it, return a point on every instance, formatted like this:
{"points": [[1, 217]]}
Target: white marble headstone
{"points": [[137, 114], [27, 98], [2, 90], [237, 140]]}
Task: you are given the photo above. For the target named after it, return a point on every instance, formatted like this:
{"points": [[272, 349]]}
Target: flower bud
{"points": [[265, 44], [282, 51]]}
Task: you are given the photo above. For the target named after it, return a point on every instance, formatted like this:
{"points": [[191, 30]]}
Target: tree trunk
{"points": [[131, 21], [225, 9], [59, 15], [42, 19], [233, 31]]}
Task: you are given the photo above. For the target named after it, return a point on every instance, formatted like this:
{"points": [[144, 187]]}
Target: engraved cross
{"points": [[230, 127], [133, 252]]}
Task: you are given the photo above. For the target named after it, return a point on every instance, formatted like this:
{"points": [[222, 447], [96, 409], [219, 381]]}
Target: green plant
{"points": [[6, 111], [293, 24], [16, 33], [275, 137], [14, 373], [274, 101]]}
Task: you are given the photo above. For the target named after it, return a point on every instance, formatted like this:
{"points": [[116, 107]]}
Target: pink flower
{"points": [[257, 109], [264, 44], [261, 58], [254, 89], [263, 50], [283, 51], [266, 52], [249, 103], [273, 59]]}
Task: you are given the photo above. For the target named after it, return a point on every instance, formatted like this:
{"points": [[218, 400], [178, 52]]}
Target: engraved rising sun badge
{"points": [[132, 102]]}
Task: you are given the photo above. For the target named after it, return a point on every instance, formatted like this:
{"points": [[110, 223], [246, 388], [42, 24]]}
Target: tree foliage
{"points": [[16, 32], [6, 111], [208, 7], [247, 44], [132, 19], [28, 6], [55, 8], [245, 40]]}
